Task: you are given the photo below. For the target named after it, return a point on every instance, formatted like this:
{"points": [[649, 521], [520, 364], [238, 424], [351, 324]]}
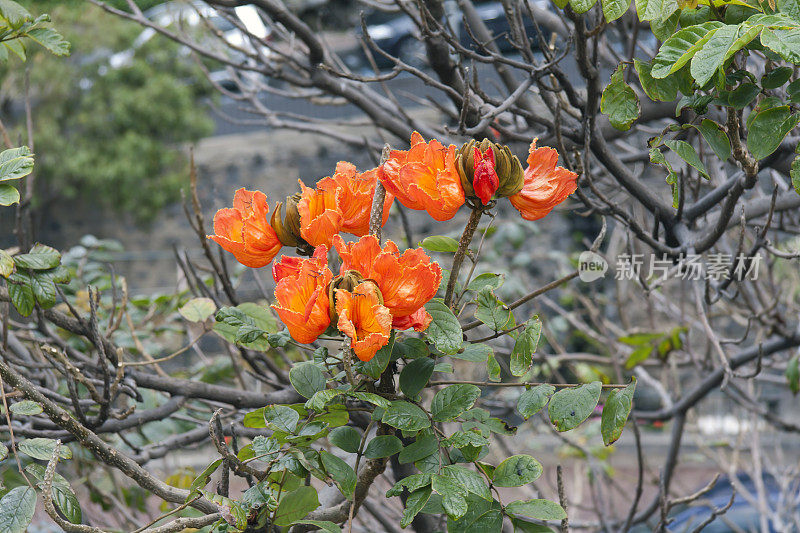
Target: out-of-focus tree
{"points": [[121, 112]]}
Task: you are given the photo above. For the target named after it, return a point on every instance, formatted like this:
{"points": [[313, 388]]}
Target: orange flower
{"points": [[419, 320], [320, 215], [290, 266], [244, 230], [424, 178], [355, 196], [302, 297], [407, 281], [546, 185], [363, 319]]}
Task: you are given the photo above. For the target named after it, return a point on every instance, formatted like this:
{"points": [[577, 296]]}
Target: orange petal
{"points": [[546, 185], [302, 297], [244, 230], [407, 281], [363, 319], [424, 178], [359, 255], [419, 320], [356, 192], [320, 215]]}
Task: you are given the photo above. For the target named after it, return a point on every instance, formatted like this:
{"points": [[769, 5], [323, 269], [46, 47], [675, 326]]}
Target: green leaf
{"points": [[481, 517], [639, 356], [493, 368], [784, 42], [43, 449], [43, 289], [582, 6], [410, 348], [776, 77], [453, 495], [231, 511], [716, 138], [307, 379], [615, 412], [17, 47], [51, 40], [525, 346], [663, 29], [8, 195], [676, 51], [471, 480], [21, 293], [725, 42], [665, 89], [538, 509], [347, 438], [415, 376], [768, 128], [619, 102], [650, 9], [414, 504], [533, 400], [687, 152], [794, 173], [492, 311], [16, 509], [342, 473], [14, 13], [15, 163], [41, 257], [321, 399], [413, 483], [6, 264], [743, 95], [383, 446], [516, 471], [324, 525], [614, 9], [424, 446], [571, 406], [370, 397], [444, 330], [792, 374], [405, 416], [203, 478], [197, 309], [63, 495], [489, 280], [440, 243], [375, 366], [25, 408], [281, 417], [295, 505], [474, 353], [453, 400], [3, 453]]}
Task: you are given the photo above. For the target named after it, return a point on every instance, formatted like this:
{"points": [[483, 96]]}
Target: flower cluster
{"points": [[377, 288], [307, 219], [439, 179]]}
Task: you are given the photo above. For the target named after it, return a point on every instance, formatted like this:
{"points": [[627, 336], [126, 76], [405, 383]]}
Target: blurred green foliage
{"points": [[108, 134]]}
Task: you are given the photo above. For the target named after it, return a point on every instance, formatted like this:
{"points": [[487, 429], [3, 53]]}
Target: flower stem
{"points": [[376, 212], [463, 245]]}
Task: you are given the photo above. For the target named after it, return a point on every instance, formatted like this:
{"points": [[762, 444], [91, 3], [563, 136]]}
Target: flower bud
{"points": [[286, 221], [475, 155], [348, 281]]}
